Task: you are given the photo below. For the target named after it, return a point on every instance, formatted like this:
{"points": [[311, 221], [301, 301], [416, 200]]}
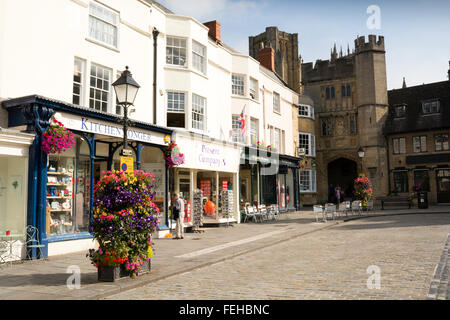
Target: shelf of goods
{"points": [[59, 202]]}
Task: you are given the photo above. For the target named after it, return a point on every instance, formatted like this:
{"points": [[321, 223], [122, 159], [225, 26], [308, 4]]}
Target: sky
{"points": [[416, 32]]}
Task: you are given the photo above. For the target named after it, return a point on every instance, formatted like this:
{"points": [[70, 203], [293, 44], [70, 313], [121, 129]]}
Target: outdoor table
{"points": [[9, 240]]}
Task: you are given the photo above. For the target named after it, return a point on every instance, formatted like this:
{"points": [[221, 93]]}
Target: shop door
{"points": [[443, 185], [269, 189]]}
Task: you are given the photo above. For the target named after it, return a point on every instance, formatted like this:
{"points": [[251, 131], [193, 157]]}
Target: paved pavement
{"points": [[282, 250]]}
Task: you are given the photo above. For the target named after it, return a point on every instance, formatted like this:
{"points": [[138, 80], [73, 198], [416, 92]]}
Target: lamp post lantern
{"points": [[361, 156], [126, 89]]}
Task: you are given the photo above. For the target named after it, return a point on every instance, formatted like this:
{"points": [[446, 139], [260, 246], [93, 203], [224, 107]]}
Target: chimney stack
{"points": [[214, 30], [267, 58]]}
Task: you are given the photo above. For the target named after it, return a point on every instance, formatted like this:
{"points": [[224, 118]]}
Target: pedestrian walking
{"points": [[337, 194], [178, 210]]}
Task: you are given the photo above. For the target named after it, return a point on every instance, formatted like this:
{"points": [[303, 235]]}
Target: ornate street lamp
{"points": [[361, 156], [126, 89]]}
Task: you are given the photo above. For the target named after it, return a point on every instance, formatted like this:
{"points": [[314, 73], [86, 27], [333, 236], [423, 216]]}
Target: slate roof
{"points": [[414, 119]]}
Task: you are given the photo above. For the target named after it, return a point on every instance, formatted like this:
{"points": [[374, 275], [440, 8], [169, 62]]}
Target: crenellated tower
{"points": [[372, 106]]}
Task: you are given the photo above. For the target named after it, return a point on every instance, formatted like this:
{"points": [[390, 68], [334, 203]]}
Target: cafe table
{"points": [[9, 241]]}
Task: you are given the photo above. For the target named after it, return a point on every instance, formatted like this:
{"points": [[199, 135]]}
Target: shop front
{"points": [[210, 171], [60, 195], [14, 147], [268, 178]]}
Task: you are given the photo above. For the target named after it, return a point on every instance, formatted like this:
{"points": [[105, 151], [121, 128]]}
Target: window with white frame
{"points": [[237, 86], [276, 102], [198, 112], [254, 89], [283, 142], [399, 145], [119, 108], [420, 144], [430, 107], [176, 52], [441, 142], [78, 81], [308, 181], [100, 88], [254, 132], [276, 143], [238, 135], [305, 111], [199, 57], [308, 142], [176, 102], [103, 24]]}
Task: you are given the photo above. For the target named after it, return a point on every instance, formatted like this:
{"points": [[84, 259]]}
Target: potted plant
{"points": [[124, 219], [363, 189]]}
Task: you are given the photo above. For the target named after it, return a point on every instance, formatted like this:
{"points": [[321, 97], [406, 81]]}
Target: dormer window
{"points": [[400, 111], [430, 107]]}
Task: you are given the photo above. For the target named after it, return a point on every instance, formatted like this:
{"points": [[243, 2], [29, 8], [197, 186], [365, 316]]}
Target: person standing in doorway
{"points": [[179, 216]]}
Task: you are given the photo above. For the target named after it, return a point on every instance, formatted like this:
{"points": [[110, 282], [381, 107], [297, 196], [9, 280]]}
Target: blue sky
{"points": [[417, 32]]}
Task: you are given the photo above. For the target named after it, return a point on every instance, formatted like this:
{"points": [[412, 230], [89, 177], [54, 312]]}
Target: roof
{"points": [[414, 119], [159, 5]]}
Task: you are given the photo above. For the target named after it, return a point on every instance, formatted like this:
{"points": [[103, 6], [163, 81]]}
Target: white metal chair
{"points": [[345, 207], [330, 208], [32, 242], [261, 213], [3, 250], [369, 205], [318, 209], [356, 207], [249, 214]]}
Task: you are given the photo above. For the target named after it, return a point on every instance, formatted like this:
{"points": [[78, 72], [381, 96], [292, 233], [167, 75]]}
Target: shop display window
{"points": [[68, 190]]}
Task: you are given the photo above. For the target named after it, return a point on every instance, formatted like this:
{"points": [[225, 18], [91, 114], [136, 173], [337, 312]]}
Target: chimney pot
{"points": [[214, 30], [267, 58]]}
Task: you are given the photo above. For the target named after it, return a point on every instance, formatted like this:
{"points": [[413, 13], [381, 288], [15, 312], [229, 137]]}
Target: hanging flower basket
{"points": [[173, 156], [124, 219], [363, 189], [57, 138]]}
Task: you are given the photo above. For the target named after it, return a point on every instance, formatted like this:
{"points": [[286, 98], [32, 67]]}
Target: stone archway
{"points": [[342, 172]]}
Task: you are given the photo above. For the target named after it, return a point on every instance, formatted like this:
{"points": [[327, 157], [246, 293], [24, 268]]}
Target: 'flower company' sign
{"points": [[85, 124]]}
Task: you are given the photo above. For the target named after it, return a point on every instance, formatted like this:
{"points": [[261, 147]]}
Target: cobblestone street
{"points": [[327, 264]]}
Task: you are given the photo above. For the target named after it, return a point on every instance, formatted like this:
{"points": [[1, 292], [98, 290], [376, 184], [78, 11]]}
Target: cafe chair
{"points": [[356, 206], [32, 242], [3, 250], [318, 209], [330, 208], [249, 214]]}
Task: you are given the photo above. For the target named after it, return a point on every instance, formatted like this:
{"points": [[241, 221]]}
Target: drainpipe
{"points": [[388, 164], [155, 59]]}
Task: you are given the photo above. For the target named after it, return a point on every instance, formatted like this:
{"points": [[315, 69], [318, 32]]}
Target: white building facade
{"points": [[65, 60]]}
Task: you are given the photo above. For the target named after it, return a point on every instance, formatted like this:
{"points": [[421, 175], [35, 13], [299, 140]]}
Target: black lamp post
{"points": [[126, 89], [361, 156]]}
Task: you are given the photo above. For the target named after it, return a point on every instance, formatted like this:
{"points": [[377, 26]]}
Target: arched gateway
{"points": [[342, 172]]}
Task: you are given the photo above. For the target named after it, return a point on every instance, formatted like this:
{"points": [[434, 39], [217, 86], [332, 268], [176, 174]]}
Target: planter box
{"points": [[111, 274]]}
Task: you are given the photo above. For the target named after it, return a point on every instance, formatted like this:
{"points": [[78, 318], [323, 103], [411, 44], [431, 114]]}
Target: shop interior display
{"points": [[197, 211], [59, 196]]}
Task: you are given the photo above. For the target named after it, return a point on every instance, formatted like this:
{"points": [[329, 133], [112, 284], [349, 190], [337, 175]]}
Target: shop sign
{"points": [[126, 164], [85, 124]]}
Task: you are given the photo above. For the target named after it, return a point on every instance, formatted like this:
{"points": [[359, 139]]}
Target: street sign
{"points": [[126, 164], [127, 153]]}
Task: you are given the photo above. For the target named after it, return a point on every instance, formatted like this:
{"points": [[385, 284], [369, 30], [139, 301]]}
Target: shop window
{"points": [[13, 193], [401, 181], [441, 142], [176, 109], [308, 181], [421, 177], [68, 190], [176, 52]]}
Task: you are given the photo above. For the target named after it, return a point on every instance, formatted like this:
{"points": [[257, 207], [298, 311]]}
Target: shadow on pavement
{"points": [[50, 279]]}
